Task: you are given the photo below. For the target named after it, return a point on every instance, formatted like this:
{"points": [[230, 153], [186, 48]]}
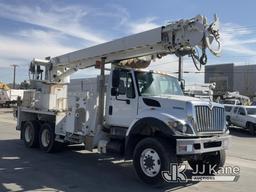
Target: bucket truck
{"points": [[139, 114]]}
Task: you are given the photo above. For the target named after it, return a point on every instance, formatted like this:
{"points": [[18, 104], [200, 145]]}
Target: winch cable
{"points": [[199, 61]]}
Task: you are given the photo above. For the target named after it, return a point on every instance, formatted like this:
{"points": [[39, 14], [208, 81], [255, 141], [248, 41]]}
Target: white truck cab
{"points": [[137, 94]]}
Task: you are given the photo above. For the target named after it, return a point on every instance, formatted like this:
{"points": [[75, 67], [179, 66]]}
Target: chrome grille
{"points": [[209, 120]]}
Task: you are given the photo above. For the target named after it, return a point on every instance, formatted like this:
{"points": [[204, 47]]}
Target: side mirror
{"points": [[115, 79], [114, 91]]}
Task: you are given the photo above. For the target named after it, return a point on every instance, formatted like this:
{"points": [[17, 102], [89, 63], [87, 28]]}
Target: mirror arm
{"points": [[126, 100]]}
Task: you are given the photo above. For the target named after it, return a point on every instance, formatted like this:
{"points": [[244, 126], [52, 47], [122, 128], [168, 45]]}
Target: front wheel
{"points": [[151, 157], [209, 163]]}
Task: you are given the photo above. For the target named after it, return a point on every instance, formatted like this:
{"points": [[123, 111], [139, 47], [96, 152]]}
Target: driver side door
{"points": [[122, 108]]}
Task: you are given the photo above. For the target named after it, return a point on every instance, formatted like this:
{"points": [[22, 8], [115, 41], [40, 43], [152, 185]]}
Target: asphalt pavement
{"points": [[74, 169]]}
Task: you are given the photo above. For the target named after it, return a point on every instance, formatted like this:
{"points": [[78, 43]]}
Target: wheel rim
{"points": [[28, 133], [150, 162], [45, 137]]}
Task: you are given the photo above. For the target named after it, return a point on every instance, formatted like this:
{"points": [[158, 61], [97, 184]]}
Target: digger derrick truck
{"points": [[139, 114]]}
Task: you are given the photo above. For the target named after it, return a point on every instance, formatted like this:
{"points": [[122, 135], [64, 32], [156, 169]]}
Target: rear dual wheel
{"points": [[47, 138], [35, 134], [29, 133]]}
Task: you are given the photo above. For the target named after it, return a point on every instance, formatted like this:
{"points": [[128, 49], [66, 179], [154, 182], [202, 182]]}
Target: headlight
{"points": [[180, 127]]}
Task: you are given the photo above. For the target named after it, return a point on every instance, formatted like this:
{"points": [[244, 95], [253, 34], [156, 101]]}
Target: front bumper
{"points": [[202, 145]]}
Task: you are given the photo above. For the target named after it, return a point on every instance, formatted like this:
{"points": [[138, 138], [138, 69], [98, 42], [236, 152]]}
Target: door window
{"points": [[241, 111], [235, 109], [126, 86]]}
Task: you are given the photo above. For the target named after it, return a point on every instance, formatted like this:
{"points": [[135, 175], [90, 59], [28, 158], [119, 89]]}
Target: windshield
{"points": [[251, 111], [154, 84]]}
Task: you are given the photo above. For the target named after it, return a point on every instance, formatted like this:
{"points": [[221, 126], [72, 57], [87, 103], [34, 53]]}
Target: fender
{"points": [[157, 122], [153, 116]]}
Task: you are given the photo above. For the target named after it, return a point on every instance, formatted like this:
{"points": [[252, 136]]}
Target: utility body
{"points": [[139, 114]]}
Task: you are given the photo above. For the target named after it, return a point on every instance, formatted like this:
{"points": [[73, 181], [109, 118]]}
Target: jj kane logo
{"points": [[176, 173]]}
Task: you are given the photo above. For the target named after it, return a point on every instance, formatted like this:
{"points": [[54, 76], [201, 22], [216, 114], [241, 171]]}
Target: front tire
{"points": [[29, 133], [47, 138], [151, 157], [212, 160]]}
